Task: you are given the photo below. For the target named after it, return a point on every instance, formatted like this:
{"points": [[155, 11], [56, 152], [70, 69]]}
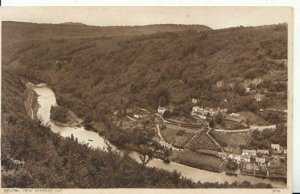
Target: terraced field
{"points": [[172, 135], [229, 140], [202, 141]]}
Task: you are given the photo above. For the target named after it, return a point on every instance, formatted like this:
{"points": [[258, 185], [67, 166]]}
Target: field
{"points": [[170, 134], [202, 141], [253, 118], [196, 160], [233, 125], [232, 141]]}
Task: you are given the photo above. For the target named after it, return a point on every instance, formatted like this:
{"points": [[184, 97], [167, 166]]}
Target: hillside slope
{"points": [[91, 69]]}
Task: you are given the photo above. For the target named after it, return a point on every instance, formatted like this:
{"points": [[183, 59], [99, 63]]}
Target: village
{"points": [[194, 141]]}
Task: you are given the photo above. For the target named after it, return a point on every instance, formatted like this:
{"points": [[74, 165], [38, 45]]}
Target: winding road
{"points": [[163, 142]]}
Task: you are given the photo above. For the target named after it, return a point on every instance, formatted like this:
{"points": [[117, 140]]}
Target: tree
{"points": [[212, 123], [159, 92], [239, 88], [180, 132], [231, 164], [162, 101], [134, 87], [59, 113], [219, 118], [145, 155]]}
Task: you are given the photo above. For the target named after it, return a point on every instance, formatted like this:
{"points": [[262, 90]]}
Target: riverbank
{"points": [[266, 177], [72, 120], [30, 101]]}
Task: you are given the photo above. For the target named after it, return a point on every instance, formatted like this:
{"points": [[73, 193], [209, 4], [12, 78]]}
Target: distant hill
{"points": [[24, 31], [74, 23]]}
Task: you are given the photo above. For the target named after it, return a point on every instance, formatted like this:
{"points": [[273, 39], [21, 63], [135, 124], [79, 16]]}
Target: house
{"points": [[285, 151], [194, 101], [161, 110], [247, 89], [222, 155], [246, 158], [260, 160], [275, 147], [234, 115], [222, 110], [199, 112], [235, 157], [249, 152], [258, 97], [264, 152]]}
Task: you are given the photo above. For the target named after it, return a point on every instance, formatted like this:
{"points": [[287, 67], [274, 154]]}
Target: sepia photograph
{"points": [[146, 97]]}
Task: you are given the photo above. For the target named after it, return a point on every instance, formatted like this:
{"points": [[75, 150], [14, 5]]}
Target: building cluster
{"points": [[250, 155], [202, 113]]}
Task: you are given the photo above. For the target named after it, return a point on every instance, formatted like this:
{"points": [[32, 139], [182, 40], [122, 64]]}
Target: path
{"points": [[277, 60], [232, 131], [197, 133], [163, 142], [158, 132], [252, 127], [131, 118], [221, 165], [207, 132], [165, 121]]}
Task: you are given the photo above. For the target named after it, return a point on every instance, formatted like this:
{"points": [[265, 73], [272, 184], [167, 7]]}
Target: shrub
{"points": [[180, 132], [59, 113]]}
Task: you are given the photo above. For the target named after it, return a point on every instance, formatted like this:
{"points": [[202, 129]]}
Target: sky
{"points": [[214, 17]]}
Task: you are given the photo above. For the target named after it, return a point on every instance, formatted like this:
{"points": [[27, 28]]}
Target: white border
{"points": [[291, 3]]}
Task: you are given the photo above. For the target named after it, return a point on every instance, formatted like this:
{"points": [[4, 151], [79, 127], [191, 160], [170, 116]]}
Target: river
{"points": [[46, 99]]}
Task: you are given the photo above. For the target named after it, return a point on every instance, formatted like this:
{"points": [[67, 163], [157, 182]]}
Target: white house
{"points": [[194, 101], [235, 157], [222, 155], [245, 158], [234, 115], [258, 97], [199, 112], [161, 110], [275, 147], [262, 151], [249, 152]]}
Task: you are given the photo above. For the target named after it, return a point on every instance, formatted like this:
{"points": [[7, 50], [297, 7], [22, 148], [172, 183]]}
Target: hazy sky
{"points": [[214, 17]]}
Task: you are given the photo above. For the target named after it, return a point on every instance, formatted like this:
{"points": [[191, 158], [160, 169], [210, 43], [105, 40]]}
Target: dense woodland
{"points": [[98, 74], [97, 70]]}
